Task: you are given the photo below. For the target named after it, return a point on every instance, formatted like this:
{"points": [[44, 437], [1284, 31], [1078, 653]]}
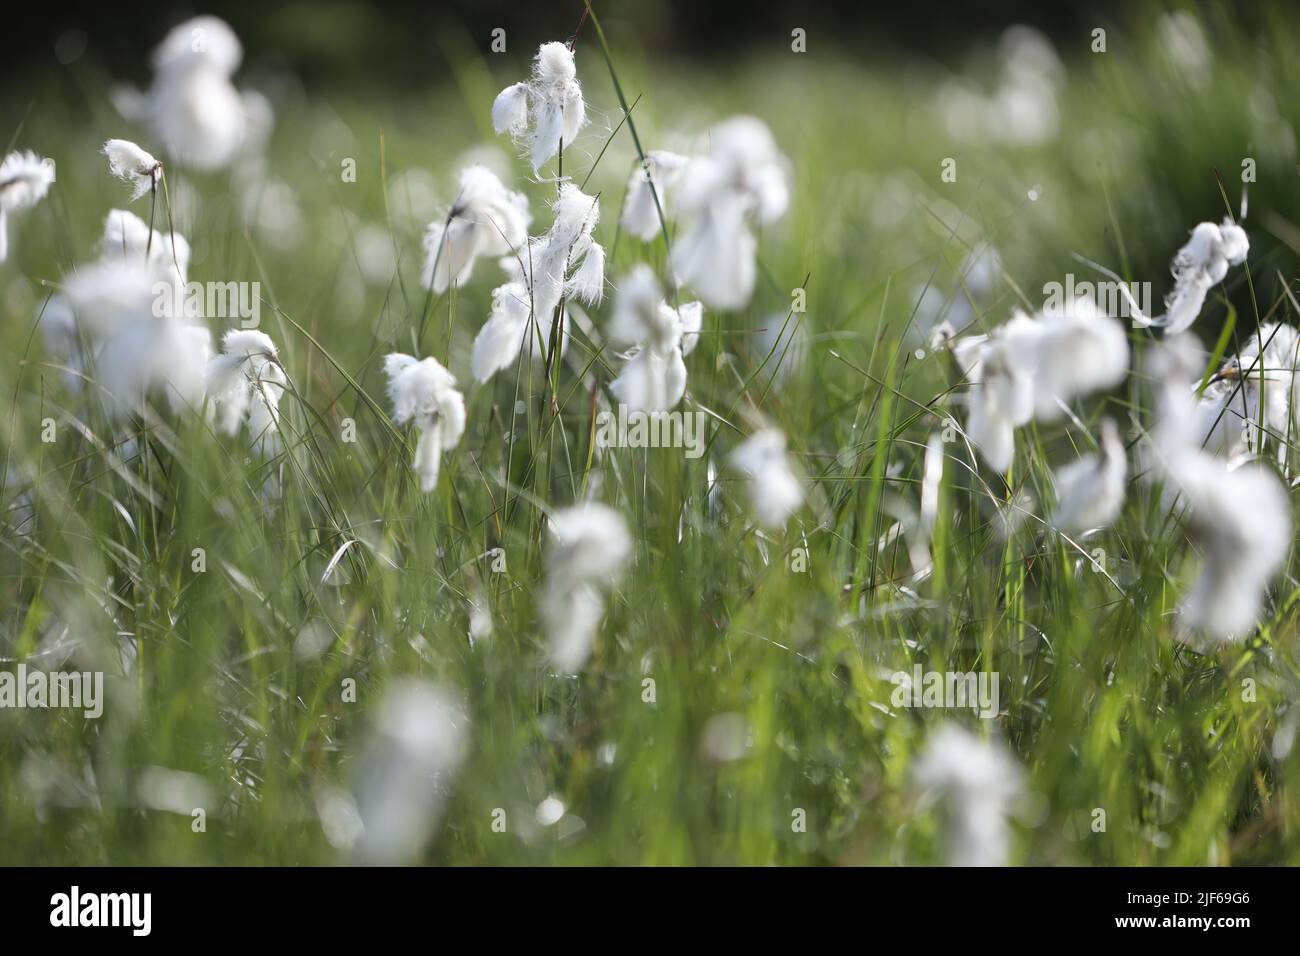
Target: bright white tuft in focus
{"points": [[424, 392], [1200, 264], [245, 383], [546, 112], [131, 164], [486, 219]]}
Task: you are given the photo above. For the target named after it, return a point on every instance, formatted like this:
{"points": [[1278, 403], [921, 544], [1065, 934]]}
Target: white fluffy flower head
{"points": [[424, 392], [590, 546], [977, 783], [654, 378], [245, 384], [774, 490], [486, 219], [25, 178], [545, 112], [131, 164], [742, 179]]}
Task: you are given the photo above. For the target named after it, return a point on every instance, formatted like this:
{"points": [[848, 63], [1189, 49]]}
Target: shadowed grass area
{"points": [[325, 564]]}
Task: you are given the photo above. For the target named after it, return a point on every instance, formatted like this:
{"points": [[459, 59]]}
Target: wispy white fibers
{"points": [[654, 378], [568, 260], [743, 179], [131, 164], [25, 178], [1200, 264], [566, 263], [192, 107], [1028, 367], [425, 393], [246, 382], [498, 343], [1237, 516], [654, 178], [773, 488], [590, 545], [1253, 399], [1090, 491], [977, 784], [545, 112], [405, 771], [486, 219]]}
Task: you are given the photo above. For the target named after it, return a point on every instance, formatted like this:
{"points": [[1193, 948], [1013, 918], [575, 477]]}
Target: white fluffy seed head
{"points": [[742, 179], [201, 43], [589, 542], [545, 113], [977, 783], [653, 180], [774, 490], [415, 748], [131, 164], [425, 393], [485, 219], [25, 178]]}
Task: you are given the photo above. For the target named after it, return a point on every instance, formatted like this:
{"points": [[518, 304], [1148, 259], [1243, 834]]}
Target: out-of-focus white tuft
{"points": [[774, 490], [25, 178], [977, 784], [1030, 366], [590, 545], [1237, 515], [139, 332], [192, 107], [128, 238], [655, 179], [424, 392], [1090, 491], [742, 179], [654, 377], [405, 772], [1022, 109]]}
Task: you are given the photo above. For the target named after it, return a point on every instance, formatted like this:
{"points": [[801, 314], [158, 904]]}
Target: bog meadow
{"points": [[597, 456]]}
